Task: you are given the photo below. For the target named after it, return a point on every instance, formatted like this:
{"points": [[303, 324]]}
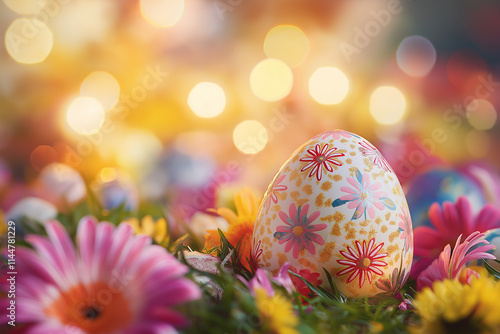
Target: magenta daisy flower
{"points": [[276, 187], [451, 264], [374, 155], [298, 233], [320, 157], [449, 221], [364, 196], [362, 262], [113, 282]]}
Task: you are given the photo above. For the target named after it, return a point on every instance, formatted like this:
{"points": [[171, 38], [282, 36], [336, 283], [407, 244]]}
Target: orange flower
{"points": [[241, 225]]}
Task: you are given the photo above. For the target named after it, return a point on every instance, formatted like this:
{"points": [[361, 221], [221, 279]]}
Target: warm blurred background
{"points": [[179, 101]]}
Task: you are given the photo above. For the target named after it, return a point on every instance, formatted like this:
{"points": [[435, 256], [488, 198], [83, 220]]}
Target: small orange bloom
{"points": [[241, 225]]}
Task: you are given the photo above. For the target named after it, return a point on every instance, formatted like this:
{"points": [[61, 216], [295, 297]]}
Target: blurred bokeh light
{"points": [[250, 137], [416, 56], [387, 105], [271, 80], [85, 115], [481, 114], [28, 41], [328, 85], [25, 7], [103, 87], [287, 43], [162, 13], [207, 99]]}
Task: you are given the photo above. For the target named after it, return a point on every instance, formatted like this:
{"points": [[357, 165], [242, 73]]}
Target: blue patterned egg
{"points": [[440, 185], [336, 205]]}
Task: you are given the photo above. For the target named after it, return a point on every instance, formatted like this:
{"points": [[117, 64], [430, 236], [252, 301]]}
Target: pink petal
{"points": [[487, 219], [287, 220], [103, 243], [64, 247], [354, 183], [121, 235], [29, 264], [292, 210], [348, 198], [313, 217], [354, 204], [85, 239], [371, 212], [48, 254], [130, 252]]}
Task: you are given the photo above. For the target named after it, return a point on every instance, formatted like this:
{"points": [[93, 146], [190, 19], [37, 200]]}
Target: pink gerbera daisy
{"points": [[113, 282], [449, 222], [451, 265]]}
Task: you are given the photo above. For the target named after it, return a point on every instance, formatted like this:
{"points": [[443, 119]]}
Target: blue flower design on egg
{"points": [[364, 196]]}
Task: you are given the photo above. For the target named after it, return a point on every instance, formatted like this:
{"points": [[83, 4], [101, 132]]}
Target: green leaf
{"points": [[338, 295], [492, 270], [317, 290]]}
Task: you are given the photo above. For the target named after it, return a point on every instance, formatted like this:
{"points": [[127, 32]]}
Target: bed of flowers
{"points": [[93, 270]]}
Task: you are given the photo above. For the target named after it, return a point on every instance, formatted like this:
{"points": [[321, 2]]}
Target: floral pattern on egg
{"points": [[337, 204]]}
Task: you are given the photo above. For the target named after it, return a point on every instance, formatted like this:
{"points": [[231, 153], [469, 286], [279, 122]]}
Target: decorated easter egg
{"points": [[336, 205], [440, 185]]}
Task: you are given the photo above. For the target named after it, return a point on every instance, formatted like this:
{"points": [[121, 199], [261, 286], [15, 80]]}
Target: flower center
{"points": [[96, 308], [298, 231], [365, 263], [91, 312], [363, 196], [320, 158]]}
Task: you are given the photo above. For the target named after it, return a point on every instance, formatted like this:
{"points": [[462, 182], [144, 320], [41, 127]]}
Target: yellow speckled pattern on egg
{"points": [[337, 204]]}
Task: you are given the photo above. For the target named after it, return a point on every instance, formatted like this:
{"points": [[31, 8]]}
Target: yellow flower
{"points": [[241, 224], [276, 312], [157, 230], [451, 306], [376, 327]]}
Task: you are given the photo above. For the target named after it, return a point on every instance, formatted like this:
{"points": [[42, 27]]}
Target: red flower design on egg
{"points": [[362, 262], [275, 189], [320, 157], [311, 277], [374, 155]]}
